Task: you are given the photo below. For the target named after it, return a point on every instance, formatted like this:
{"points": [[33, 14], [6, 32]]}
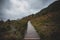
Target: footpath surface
{"points": [[31, 33]]}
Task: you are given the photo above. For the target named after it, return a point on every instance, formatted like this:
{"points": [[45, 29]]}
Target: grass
{"points": [[13, 30]]}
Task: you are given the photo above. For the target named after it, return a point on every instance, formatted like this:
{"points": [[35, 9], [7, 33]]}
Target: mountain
{"points": [[47, 22]]}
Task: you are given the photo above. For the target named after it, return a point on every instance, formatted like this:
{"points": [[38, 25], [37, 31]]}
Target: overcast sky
{"points": [[16, 9]]}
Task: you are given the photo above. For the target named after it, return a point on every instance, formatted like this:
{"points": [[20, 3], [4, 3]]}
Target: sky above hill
{"points": [[16, 9]]}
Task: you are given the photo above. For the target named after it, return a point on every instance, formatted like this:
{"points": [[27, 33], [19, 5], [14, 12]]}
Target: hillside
{"points": [[13, 29], [47, 22]]}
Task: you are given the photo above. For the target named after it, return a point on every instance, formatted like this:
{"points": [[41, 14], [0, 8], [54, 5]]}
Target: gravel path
{"points": [[31, 33]]}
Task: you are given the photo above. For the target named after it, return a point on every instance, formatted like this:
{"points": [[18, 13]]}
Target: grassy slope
{"points": [[13, 30], [47, 22]]}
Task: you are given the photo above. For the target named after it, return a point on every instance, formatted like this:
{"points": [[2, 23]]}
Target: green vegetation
{"points": [[13, 30], [47, 22]]}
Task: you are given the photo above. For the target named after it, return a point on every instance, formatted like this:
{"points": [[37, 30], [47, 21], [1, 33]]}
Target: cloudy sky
{"points": [[16, 9]]}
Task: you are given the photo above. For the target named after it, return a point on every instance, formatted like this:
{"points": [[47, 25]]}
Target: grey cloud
{"points": [[3, 5], [34, 5], [41, 4]]}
